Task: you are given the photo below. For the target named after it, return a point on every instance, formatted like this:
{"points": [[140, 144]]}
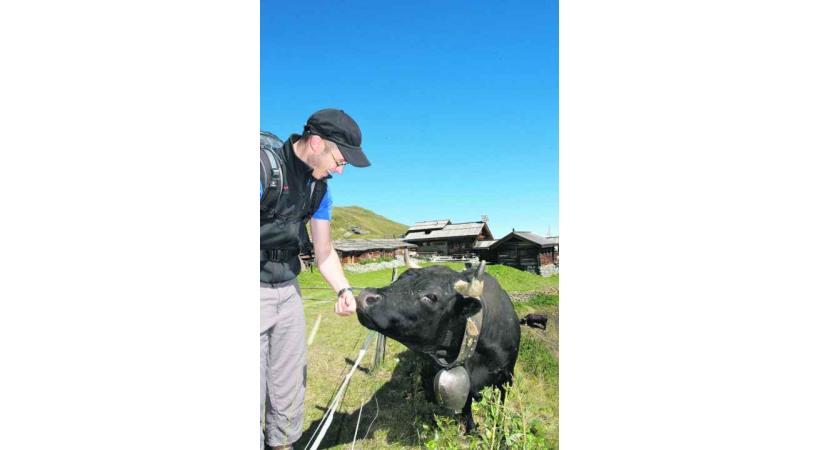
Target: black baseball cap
{"points": [[337, 127]]}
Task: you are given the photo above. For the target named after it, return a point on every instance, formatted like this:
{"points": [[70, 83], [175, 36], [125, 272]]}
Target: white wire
{"points": [[364, 436], [356, 433], [374, 417]]}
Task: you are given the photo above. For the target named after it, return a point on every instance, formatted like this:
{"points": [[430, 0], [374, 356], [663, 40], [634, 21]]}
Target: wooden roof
{"points": [[429, 225], [483, 244], [541, 241], [453, 230]]}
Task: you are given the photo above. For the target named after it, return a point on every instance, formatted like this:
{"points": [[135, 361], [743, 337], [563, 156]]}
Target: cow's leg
{"points": [[477, 396], [467, 412], [508, 378]]}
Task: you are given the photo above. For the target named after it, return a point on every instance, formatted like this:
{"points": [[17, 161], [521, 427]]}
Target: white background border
{"points": [[129, 312], [688, 208], [689, 139]]}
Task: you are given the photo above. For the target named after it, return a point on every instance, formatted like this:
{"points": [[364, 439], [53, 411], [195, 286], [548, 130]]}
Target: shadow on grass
{"points": [[350, 362], [402, 407]]}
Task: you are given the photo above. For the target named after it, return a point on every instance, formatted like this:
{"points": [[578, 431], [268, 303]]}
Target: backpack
{"points": [[272, 175]]}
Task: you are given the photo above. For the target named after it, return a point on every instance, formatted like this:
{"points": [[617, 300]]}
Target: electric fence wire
{"points": [[356, 433], [374, 417], [364, 436], [361, 409]]}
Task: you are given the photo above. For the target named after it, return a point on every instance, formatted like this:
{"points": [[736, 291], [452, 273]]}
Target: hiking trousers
{"points": [[283, 363]]}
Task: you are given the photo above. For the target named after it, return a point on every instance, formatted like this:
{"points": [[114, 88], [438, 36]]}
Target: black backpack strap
{"points": [[318, 189], [271, 170]]}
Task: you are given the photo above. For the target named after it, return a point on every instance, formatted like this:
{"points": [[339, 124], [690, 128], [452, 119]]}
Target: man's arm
{"points": [[330, 267]]}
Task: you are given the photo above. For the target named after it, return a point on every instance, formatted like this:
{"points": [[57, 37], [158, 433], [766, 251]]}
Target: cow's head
{"points": [[422, 305]]}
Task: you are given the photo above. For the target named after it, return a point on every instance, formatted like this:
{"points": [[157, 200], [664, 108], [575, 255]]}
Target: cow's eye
{"points": [[429, 298]]}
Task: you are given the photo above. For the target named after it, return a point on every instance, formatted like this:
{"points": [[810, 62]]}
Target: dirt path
{"points": [[521, 296]]}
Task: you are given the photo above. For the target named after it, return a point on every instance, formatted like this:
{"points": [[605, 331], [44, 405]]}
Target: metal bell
{"points": [[452, 386]]}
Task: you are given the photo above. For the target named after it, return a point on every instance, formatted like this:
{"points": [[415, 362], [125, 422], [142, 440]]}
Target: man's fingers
{"points": [[345, 305], [342, 308], [350, 302]]}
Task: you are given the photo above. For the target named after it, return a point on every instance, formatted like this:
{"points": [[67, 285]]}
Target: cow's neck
{"points": [[449, 339], [458, 340]]}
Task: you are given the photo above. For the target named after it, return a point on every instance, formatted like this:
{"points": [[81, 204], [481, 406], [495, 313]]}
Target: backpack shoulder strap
{"points": [[271, 170], [318, 188]]}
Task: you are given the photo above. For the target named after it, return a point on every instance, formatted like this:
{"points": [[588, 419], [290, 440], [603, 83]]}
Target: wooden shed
{"points": [[353, 251], [522, 250]]}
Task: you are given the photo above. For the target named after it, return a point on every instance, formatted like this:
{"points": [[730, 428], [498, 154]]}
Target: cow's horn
{"points": [[477, 283], [408, 262]]}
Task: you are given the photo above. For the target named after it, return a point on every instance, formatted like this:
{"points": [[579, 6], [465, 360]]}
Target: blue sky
{"points": [[457, 102]]}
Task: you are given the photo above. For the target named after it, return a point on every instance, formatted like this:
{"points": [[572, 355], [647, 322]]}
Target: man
{"points": [[331, 139]]}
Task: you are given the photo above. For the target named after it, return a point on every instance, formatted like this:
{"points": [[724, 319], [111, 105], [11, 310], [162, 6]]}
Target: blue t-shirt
{"points": [[323, 213]]}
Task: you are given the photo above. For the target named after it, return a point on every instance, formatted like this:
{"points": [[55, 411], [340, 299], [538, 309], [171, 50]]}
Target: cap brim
{"points": [[353, 155]]}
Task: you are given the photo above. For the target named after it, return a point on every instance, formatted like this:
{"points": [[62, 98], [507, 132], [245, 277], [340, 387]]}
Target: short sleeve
{"points": [[323, 213]]}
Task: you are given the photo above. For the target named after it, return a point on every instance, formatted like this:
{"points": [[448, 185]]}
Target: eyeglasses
{"points": [[338, 163]]}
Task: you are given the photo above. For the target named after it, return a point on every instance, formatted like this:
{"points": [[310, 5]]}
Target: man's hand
{"points": [[345, 304]]}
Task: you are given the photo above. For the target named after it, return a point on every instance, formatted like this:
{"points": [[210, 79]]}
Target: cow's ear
{"points": [[467, 306]]}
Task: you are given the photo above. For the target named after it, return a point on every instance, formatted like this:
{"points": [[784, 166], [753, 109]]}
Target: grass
{"points": [[512, 279], [405, 419], [538, 300]]}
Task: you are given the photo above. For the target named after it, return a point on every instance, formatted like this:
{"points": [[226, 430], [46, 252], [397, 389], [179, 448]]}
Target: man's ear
{"points": [[467, 306], [316, 144]]}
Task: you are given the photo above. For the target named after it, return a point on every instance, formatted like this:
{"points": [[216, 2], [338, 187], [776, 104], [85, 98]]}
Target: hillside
{"points": [[371, 224]]}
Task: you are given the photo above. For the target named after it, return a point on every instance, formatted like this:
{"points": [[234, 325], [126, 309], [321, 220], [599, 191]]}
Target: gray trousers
{"points": [[283, 362]]}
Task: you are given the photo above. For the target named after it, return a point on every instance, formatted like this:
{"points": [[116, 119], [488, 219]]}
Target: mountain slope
{"points": [[373, 225]]}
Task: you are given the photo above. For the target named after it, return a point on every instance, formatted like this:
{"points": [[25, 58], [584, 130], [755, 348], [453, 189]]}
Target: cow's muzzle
{"points": [[366, 299]]}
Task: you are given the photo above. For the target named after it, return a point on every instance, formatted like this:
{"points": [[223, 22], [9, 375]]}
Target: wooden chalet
{"points": [[352, 251], [441, 237], [520, 249]]}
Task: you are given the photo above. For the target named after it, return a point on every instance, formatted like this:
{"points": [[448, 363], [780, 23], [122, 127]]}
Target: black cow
{"points": [[427, 311], [535, 321]]}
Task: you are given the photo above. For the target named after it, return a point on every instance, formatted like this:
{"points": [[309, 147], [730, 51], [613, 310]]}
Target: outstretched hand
{"points": [[345, 304]]}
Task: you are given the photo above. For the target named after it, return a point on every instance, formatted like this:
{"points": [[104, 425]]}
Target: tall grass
{"points": [[508, 425]]}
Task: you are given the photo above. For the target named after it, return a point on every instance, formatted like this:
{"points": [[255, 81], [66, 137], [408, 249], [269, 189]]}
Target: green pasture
{"points": [[389, 404]]}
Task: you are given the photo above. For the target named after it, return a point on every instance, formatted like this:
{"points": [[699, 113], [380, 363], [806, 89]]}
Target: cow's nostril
{"points": [[371, 299]]}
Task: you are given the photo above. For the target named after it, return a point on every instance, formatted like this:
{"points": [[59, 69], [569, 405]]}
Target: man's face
{"points": [[327, 161]]}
